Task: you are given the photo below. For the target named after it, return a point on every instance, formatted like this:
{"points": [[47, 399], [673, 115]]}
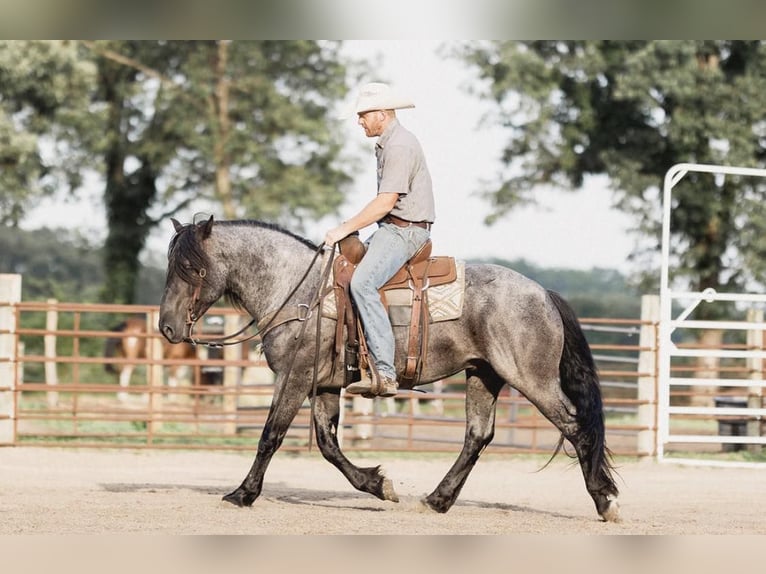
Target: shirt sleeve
{"points": [[396, 170]]}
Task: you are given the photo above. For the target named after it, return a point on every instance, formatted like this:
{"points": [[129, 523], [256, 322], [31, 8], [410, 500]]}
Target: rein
{"points": [[224, 340], [192, 318]]}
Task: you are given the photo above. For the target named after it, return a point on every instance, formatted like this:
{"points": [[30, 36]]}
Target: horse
{"points": [[133, 344], [512, 331]]}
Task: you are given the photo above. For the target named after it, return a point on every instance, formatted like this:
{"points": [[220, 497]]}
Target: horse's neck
{"points": [[265, 267]]}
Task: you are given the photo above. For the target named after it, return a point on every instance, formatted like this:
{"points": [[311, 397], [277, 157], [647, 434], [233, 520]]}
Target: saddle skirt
{"points": [[445, 294]]}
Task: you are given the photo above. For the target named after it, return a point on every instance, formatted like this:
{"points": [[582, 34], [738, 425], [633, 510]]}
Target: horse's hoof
{"points": [[440, 508], [612, 512], [239, 498], [388, 491]]}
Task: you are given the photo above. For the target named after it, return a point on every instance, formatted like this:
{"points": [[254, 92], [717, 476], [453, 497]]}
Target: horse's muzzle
{"points": [[170, 334]]}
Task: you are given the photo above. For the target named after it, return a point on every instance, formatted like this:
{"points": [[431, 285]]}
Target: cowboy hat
{"points": [[378, 96]]}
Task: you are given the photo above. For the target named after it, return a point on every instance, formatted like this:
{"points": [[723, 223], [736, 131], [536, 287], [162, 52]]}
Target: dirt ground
{"points": [[82, 491]]}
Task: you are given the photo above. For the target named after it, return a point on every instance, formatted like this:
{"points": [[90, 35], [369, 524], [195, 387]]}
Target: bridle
{"points": [[192, 318], [304, 311]]}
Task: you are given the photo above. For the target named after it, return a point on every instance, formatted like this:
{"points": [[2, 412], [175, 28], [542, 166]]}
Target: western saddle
{"points": [[418, 274]]}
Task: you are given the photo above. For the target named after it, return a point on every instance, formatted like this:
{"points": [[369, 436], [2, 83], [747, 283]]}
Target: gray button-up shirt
{"points": [[402, 169]]}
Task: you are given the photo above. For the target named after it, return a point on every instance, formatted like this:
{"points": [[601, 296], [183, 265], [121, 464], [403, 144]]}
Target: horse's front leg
{"points": [[369, 479], [125, 374], [285, 405]]}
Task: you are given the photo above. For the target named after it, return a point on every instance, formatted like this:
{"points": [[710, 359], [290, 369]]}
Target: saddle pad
{"points": [[445, 302]]}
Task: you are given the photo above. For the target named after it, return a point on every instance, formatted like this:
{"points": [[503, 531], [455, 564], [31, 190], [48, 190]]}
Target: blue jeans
{"points": [[388, 249]]}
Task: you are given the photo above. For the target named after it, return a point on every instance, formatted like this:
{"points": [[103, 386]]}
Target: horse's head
{"points": [[192, 284]]}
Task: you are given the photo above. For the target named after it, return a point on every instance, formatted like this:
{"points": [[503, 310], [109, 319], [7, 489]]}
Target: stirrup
{"points": [[383, 387], [369, 389]]}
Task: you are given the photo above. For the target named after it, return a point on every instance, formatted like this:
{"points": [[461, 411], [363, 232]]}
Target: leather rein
{"points": [[269, 323], [192, 318]]}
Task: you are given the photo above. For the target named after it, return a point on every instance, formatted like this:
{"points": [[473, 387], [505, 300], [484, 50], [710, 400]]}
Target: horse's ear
{"points": [[206, 228], [176, 224]]}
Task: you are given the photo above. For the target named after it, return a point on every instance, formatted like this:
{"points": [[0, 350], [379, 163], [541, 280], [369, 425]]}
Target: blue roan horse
{"points": [[512, 332]]}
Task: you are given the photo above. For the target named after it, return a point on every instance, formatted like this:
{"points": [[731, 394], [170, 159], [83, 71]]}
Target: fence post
{"points": [[647, 381], [10, 295], [755, 373], [49, 343], [155, 373], [231, 372]]}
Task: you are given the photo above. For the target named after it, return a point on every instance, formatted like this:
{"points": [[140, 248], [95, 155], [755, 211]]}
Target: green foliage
{"points": [[242, 125], [597, 293], [631, 110], [44, 89], [61, 264], [55, 264], [245, 126]]}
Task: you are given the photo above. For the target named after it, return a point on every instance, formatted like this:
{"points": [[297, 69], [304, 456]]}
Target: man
{"points": [[404, 211]]}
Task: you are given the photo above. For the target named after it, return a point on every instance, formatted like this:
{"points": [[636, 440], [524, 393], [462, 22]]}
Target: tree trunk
{"points": [[126, 197], [126, 206], [220, 109]]}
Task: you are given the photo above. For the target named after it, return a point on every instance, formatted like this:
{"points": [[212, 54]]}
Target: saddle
{"points": [[418, 274]]}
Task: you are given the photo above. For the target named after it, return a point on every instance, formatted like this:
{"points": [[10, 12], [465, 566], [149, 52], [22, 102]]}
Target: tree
{"points": [[241, 124], [244, 125], [630, 110], [44, 92]]}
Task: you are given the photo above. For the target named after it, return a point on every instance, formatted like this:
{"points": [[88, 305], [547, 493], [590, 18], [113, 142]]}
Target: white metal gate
{"points": [[749, 382]]}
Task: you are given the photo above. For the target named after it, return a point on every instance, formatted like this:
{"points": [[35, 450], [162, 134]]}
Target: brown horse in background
{"points": [[134, 344]]}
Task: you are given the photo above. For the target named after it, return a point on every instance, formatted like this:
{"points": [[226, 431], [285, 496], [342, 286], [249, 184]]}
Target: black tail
{"points": [[110, 348], [580, 383]]}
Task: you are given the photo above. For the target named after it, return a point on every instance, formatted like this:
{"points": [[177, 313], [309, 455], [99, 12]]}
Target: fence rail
{"points": [[55, 391], [62, 394]]}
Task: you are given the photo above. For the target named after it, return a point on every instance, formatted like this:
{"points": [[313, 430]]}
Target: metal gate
{"points": [[735, 385]]}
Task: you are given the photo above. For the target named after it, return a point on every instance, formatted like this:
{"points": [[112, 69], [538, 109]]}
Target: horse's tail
{"points": [[580, 382], [110, 348]]}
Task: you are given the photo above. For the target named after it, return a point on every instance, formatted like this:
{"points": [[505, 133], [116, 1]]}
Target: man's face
{"points": [[372, 122]]}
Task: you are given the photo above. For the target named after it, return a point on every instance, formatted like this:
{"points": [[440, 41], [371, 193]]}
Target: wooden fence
{"points": [[57, 392]]}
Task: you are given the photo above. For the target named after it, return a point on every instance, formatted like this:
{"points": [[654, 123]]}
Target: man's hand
{"points": [[334, 235]]}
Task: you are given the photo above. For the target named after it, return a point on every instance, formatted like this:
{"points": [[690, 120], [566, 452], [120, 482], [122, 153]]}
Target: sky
{"points": [[574, 230]]}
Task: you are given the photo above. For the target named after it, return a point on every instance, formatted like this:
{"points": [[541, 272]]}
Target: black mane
{"points": [[272, 226], [186, 256]]}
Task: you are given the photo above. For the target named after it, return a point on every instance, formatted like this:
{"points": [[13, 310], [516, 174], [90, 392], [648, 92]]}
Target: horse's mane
{"points": [[265, 225], [186, 255]]}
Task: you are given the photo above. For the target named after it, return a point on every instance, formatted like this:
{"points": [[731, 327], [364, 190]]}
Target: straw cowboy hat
{"points": [[377, 96]]}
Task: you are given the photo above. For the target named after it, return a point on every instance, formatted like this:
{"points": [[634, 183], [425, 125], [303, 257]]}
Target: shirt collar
{"points": [[386, 135]]}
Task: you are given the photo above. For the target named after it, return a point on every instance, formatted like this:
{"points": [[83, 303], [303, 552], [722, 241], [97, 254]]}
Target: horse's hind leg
{"points": [[588, 441], [369, 479], [482, 388]]}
